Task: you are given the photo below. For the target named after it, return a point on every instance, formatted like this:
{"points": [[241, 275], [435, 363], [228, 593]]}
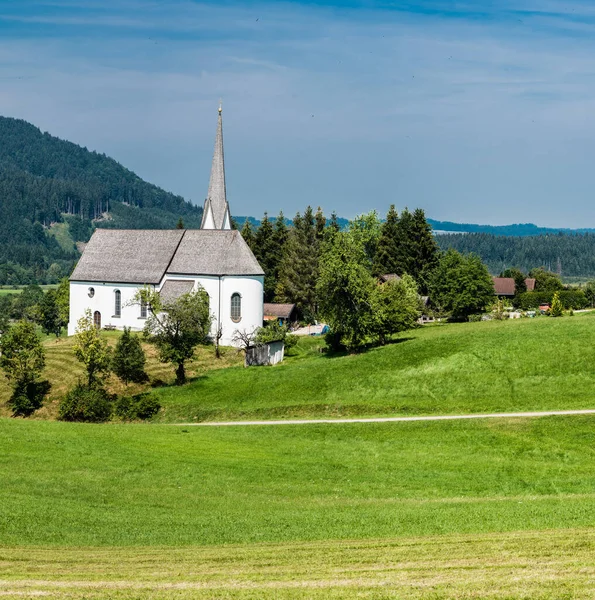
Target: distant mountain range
{"points": [[448, 227]]}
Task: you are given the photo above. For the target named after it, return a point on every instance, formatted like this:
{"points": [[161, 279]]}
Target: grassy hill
{"points": [[52, 194], [492, 366], [497, 366]]}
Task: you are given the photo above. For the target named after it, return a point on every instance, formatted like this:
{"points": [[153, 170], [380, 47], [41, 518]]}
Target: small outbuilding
{"points": [[285, 314]]}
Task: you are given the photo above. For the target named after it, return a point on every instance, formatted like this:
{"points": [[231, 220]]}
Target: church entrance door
{"points": [[97, 319]]}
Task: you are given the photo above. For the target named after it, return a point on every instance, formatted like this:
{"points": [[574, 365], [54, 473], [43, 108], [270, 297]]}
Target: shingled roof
{"points": [[145, 255], [127, 256], [505, 286], [172, 289], [214, 252]]}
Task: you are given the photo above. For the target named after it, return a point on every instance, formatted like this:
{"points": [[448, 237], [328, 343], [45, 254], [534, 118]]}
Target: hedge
{"points": [[574, 299]]}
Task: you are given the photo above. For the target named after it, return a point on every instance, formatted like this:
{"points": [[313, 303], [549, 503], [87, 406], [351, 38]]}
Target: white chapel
{"points": [[118, 262]]}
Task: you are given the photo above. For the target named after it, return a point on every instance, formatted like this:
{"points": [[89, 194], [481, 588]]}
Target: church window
{"points": [[117, 303], [236, 308], [91, 292], [97, 319], [143, 309]]}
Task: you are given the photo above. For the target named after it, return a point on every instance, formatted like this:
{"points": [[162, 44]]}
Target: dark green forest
{"points": [[53, 193], [570, 255]]}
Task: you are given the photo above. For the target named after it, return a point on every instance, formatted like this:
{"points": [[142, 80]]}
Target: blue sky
{"points": [[474, 111]]}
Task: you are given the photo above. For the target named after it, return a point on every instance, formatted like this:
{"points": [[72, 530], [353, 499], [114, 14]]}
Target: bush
{"points": [[27, 398], [141, 406], [86, 405], [574, 299]]}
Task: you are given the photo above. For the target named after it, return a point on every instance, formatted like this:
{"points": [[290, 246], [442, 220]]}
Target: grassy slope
{"points": [[63, 370], [460, 509], [456, 368]]}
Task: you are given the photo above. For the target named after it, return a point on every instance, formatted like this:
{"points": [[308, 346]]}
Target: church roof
{"points": [[172, 289], [216, 207], [144, 256], [127, 256], [214, 252]]}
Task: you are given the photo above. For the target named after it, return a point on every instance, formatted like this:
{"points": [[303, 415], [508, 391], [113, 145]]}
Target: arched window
{"points": [[236, 308], [143, 309], [97, 319], [117, 303]]}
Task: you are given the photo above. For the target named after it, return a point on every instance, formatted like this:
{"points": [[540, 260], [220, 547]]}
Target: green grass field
{"points": [[494, 366], [413, 510], [495, 508]]}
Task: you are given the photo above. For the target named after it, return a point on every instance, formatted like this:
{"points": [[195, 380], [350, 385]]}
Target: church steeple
{"points": [[216, 213]]}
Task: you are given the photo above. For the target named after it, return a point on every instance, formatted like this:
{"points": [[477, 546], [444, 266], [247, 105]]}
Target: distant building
{"points": [[286, 314], [505, 286], [117, 263]]}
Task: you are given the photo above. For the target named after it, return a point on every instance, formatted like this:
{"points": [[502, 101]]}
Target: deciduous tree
{"points": [[92, 350], [129, 359]]}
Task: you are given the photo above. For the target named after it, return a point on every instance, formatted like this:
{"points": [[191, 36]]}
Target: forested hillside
{"points": [[53, 193], [572, 255]]}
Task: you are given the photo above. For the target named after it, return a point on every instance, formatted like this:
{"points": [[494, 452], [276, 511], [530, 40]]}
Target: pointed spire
{"points": [[216, 210]]}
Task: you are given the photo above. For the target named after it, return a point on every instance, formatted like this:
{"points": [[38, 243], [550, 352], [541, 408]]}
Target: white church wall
{"points": [[220, 290], [103, 301]]}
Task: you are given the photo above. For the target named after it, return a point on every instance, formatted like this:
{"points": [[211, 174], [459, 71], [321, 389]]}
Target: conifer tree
{"points": [[264, 250], [424, 249], [404, 253], [298, 272], [320, 224], [248, 235], [386, 259], [556, 310], [332, 225], [129, 359]]}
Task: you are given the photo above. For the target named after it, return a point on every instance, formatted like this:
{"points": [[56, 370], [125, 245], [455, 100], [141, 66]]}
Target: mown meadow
{"points": [[444, 509], [269, 511]]}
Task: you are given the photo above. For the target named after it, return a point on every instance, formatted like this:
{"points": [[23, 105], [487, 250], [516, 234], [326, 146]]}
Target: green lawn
{"points": [[516, 365], [443, 509]]}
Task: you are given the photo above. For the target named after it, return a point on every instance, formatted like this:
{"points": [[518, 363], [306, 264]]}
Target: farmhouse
{"points": [[117, 263], [505, 286]]}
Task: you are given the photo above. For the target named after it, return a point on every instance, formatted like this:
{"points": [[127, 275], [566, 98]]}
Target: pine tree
{"points": [[320, 224], [332, 225], [298, 272], [264, 242], [404, 253], [556, 309], [129, 359], [248, 235], [180, 224], [386, 259], [424, 249]]}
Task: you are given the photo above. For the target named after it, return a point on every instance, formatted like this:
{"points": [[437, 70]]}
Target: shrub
{"points": [[141, 406], [128, 361], [556, 310], [27, 398], [86, 405]]}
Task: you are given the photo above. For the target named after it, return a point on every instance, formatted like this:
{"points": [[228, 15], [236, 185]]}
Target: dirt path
{"points": [[514, 415]]}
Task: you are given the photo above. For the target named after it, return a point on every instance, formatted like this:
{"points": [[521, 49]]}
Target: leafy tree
{"points": [[386, 257], [461, 285], [590, 292], [346, 290], [92, 350], [129, 359], [365, 230], [556, 310], [397, 307], [177, 327], [546, 281], [25, 305], [5, 309], [22, 358], [49, 315]]}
